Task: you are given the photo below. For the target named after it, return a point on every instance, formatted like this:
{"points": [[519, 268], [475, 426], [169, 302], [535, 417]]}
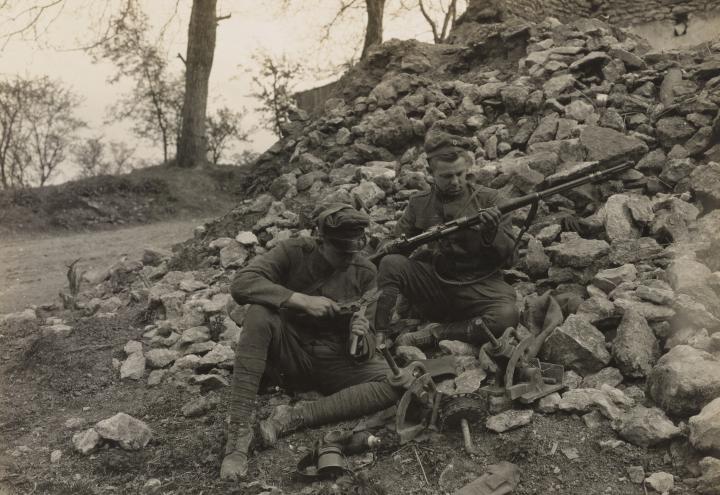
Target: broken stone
{"points": [[195, 334], [536, 261], [86, 441], [610, 278], [154, 256], [709, 482], [220, 354], [159, 358], [660, 482], [598, 310], [705, 181], [608, 145], [632, 251], [247, 238], [684, 380], [577, 345], [457, 348], [576, 252], [233, 255], [469, 381], [651, 312], [60, 331], [646, 427], [200, 406], [673, 130], [636, 474], [156, 377], [133, 368], [635, 348], [128, 432], [509, 420], [610, 401], [580, 110], [619, 223], [655, 295], [549, 403], [592, 59], [609, 376], [705, 428], [209, 382]]}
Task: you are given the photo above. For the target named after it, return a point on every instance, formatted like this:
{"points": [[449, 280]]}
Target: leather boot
{"points": [[431, 334], [283, 420], [237, 451], [425, 337]]}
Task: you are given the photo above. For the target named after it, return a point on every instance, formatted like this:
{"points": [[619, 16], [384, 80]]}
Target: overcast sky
{"points": [[252, 28]]}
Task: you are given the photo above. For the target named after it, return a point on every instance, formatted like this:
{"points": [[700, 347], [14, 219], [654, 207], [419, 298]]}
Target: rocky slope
{"points": [[639, 274]]}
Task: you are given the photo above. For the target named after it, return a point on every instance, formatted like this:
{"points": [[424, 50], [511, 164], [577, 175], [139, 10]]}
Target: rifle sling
{"points": [[526, 225]]}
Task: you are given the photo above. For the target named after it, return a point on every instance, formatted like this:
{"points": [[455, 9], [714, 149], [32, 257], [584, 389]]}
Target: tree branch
{"points": [[429, 19], [345, 5], [222, 17], [179, 55]]}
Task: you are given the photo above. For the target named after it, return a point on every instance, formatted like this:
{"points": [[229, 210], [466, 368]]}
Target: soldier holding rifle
{"points": [[459, 278]]}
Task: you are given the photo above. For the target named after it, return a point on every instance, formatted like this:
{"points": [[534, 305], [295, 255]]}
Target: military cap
{"points": [[440, 144], [342, 225]]}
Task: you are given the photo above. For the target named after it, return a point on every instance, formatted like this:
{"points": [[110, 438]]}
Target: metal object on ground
{"points": [[459, 410], [500, 479], [521, 376], [417, 409], [322, 463]]}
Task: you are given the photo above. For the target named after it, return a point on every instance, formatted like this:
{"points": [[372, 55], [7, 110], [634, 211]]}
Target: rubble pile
{"points": [[634, 260]]}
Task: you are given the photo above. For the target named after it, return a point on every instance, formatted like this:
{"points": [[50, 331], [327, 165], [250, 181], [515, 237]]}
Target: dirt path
{"points": [[32, 269]]}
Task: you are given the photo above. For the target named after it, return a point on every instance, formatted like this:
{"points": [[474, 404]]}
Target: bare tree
{"points": [[245, 158], [274, 84], [121, 157], [51, 127], [38, 127], [92, 157], [14, 96], [154, 102], [202, 31], [374, 28], [37, 14], [223, 128], [374, 10]]}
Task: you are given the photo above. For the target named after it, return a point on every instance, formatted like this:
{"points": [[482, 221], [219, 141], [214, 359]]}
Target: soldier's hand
{"points": [[491, 218], [359, 324], [317, 306]]}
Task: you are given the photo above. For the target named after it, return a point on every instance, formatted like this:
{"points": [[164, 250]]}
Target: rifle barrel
{"points": [[517, 203], [448, 228]]}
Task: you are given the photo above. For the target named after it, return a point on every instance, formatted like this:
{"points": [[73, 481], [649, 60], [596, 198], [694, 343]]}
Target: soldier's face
{"points": [[337, 258], [450, 177]]}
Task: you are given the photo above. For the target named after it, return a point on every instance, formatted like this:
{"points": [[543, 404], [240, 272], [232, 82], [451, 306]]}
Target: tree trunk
{"points": [[374, 30], [192, 144]]}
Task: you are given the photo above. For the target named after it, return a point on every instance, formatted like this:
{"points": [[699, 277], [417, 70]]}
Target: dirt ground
{"points": [[33, 267], [43, 383]]}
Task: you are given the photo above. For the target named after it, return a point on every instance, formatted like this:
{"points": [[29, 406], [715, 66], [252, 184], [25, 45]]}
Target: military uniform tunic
{"points": [[308, 351], [459, 278]]}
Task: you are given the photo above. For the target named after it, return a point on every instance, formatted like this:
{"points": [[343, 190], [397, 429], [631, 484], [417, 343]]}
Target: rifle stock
{"points": [[409, 244]]}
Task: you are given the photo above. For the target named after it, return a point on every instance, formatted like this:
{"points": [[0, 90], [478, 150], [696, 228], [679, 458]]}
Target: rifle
{"points": [[406, 245]]}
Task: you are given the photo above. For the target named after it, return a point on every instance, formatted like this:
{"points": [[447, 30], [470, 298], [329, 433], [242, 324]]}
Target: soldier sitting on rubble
{"points": [[460, 277], [294, 324]]}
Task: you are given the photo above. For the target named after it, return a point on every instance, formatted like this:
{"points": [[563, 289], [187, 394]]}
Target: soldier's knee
{"points": [[502, 316], [260, 320], [392, 266]]}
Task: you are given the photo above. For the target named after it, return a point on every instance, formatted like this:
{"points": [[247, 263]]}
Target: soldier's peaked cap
{"points": [[342, 225], [437, 142]]}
